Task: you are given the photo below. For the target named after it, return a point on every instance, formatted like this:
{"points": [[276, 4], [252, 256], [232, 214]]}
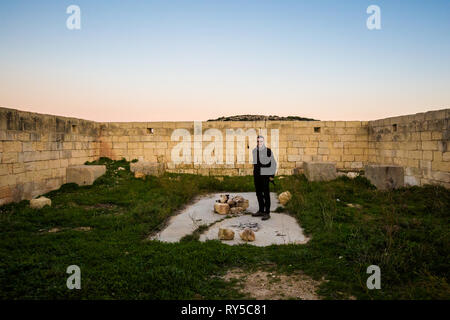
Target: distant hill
{"points": [[254, 117]]}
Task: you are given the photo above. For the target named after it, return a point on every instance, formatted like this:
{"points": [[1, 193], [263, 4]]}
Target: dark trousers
{"points": [[262, 192]]}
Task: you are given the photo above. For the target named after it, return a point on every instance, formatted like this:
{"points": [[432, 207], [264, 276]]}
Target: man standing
{"points": [[264, 168]]}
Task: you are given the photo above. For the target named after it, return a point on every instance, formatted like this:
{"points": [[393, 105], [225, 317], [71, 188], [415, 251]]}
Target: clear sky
{"points": [[196, 60]]}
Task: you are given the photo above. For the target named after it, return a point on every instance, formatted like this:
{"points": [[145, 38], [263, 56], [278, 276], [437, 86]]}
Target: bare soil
{"points": [[267, 285]]}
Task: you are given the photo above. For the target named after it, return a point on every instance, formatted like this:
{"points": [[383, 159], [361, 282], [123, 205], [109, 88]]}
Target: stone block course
{"points": [[32, 143]]}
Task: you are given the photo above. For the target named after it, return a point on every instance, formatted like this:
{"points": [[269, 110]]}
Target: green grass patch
{"points": [[405, 232]]}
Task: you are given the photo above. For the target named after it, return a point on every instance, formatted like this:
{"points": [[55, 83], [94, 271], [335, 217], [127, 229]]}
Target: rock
{"points": [[147, 168], [247, 235], [226, 234], [84, 174], [242, 204], [352, 175], [320, 171], [236, 210], [40, 202], [385, 177], [284, 197], [139, 175], [231, 203], [224, 198], [221, 208]]}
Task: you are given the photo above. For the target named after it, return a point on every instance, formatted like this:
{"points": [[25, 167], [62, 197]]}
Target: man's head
{"points": [[260, 141]]}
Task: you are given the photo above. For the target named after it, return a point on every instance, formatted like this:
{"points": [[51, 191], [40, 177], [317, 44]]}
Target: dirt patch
{"points": [[267, 285]]}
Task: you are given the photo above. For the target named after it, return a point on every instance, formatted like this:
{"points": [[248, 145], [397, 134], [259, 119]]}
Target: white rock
{"points": [[40, 202]]}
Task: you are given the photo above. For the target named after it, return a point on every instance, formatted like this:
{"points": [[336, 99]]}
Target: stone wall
{"points": [[419, 143], [36, 149], [345, 143]]}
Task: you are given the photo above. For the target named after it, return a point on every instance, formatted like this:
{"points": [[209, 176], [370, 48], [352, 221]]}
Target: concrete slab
{"points": [[280, 229]]}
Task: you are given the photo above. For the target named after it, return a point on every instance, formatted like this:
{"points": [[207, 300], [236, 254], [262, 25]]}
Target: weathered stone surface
{"points": [[31, 154], [284, 197], [200, 212], [236, 210], [224, 198], [247, 235], [241, 202], [147, 168], [279, 229], [40, 202], [139, 175], [84, 174], [231, 203], [352, 175], [385, 177], [320, 171], [226, 234], [221, 208]]}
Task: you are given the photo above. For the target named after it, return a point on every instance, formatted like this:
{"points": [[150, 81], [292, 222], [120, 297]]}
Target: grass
{"points": [[405, 232]]}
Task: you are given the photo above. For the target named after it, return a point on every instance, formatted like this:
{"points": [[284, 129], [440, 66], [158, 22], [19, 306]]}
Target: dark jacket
{"points": [[264, 163]]}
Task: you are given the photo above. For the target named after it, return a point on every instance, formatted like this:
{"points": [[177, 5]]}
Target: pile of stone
{"points": [[228, 234], [226, 205]]}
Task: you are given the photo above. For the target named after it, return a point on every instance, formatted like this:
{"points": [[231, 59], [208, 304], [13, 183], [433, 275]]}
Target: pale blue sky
{"points": [[195, 60]]}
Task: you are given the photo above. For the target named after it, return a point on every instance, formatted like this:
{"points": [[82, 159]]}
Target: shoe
{"points": [[266, 216], [258, 214]]}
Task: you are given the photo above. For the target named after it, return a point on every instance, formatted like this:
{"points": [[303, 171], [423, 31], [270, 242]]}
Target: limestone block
{"points": [[84, 174], [385, 177], [40, 202], [248, 235], [242, 203], [236, 210], [352, 174], [320, 171], [284, 197], [147, 168], [221, 208], [226, 234]]}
